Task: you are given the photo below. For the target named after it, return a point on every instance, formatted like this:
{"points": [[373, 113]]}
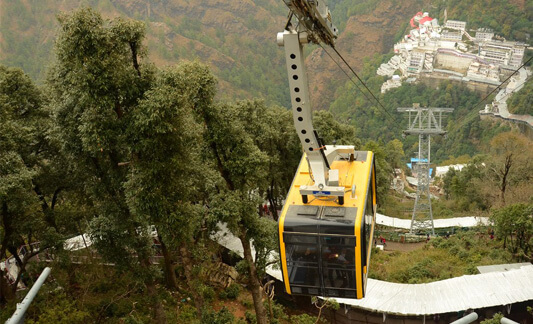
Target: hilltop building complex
{"points": [[450, 52]]}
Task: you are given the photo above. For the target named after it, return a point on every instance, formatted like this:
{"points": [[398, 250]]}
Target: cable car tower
{"points": [[423, 122]]}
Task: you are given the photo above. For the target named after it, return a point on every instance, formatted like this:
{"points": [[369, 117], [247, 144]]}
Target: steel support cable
{"points": [[490, 93], [348, 76], [364, 84], [357, 76]]}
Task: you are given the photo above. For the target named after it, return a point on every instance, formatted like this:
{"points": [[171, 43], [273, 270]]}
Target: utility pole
{"points": [[423, 122]]}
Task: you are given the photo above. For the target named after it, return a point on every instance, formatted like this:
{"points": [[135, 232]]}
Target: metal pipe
{"points": [[467, 319], [18, 316], [507, 321]]}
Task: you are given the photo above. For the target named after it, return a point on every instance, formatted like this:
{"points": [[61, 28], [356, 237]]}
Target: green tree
{"points": [[394, 153], [521, 103], [243, 168], [514, 225], [510, 162], [331, 130], [169, 179], [464, 186], [96, 81], [26, 216], [383, 169], [273, 133], [496, 319], [61, 310]]}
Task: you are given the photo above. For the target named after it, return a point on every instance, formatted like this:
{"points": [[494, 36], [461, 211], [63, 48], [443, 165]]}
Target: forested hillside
{"points": [[467, 133], [237, 40], [118, 135], [521, 103]]}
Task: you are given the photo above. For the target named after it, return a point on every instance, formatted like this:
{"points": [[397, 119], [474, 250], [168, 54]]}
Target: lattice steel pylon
{"points": [[423, 122]]}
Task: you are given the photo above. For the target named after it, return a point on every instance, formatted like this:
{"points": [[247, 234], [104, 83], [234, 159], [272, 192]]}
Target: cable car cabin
{"points": [[325, 246]]}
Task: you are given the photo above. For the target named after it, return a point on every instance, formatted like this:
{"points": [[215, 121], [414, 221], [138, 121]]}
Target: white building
{"points": [[503, 53], [442, 170], [517, 55], [484, 35], [478, 70], [391, 84], [451, 35], [416, 62], [455, 24]]}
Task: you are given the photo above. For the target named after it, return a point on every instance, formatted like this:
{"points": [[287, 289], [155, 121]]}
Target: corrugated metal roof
{"points": [[451, 295], [445, 296], [501, 267]]}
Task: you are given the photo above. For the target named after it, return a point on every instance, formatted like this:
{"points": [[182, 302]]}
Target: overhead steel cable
{"points": [[498, 87], [360, 80], [348, 76], [490, 93], [352, 70]]}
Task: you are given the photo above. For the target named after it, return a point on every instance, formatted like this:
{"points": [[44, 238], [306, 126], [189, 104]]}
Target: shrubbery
{"points": [[440, 259], [232, 292]]}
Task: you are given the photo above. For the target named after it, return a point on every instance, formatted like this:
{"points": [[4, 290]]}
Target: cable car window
{"points": [[338, 267], [337, 240], [367, 223], [299, 239], [302, 265]]}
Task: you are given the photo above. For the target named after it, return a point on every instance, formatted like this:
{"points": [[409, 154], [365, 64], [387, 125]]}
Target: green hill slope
{"points": [[237, 40]]}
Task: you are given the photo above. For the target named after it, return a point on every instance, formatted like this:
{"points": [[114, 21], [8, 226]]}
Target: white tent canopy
{"points": [[469, 221]]}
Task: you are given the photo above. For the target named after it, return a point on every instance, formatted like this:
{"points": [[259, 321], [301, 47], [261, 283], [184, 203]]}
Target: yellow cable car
{"points": [[327, 223], [325, 245]]}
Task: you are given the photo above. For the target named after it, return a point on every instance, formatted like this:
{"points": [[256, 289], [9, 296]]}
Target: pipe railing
{"points": [[18, 315]]}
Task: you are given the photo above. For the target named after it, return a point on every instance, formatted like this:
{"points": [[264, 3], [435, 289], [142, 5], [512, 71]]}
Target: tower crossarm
{"points": [[425, 120]]}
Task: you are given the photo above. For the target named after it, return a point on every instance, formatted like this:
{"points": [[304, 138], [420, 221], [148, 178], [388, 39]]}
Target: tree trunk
{"points": [[151, 289], [273, 209], [6, 293], [187, 268], [505, 173], [159, 312], [47, 211], [8, 230], [21, 263], [273, 205], [253, 280], [168, 266]]}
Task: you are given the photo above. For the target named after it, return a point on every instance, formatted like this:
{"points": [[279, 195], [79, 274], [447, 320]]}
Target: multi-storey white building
{"points": [[494, 53], [451, 35], [455, 24], [503, 53], [431, 48], [484, 35], [517, 55], [416, 61], [478, 70]]}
